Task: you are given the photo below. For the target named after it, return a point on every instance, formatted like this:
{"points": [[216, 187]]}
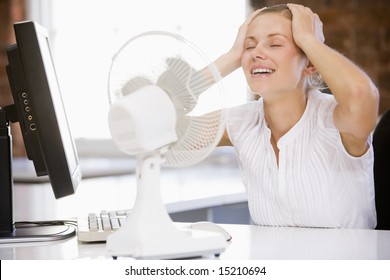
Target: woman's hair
{"points": [[281, 9], [315, 80]]}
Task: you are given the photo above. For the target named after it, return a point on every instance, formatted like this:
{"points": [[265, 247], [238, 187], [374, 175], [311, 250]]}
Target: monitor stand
{"points": [[9, 233], [37, 233]]}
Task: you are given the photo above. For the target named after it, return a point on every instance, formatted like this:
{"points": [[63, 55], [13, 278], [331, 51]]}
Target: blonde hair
{"points": [[315, 80], [281, 9]]}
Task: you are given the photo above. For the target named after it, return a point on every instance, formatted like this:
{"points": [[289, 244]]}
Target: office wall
{"points": [[359, 29]]}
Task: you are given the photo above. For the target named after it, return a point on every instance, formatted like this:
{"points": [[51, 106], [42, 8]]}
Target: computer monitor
{"points": [[39, 109]]}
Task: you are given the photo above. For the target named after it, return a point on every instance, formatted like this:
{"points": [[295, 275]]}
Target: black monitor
{"points": [[39, 109]]}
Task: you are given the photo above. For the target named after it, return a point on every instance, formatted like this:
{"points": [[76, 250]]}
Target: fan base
{"points": [[181, 244], [149, 232]]}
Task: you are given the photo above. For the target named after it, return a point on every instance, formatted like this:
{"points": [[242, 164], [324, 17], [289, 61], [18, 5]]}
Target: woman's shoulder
{"points": [[322, 99], [243, 117], [323, 106], [243, 111], [248, 105]]}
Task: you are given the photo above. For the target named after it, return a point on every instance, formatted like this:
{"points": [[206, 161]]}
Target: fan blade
{"points": [[183, 83], [135, 84]]}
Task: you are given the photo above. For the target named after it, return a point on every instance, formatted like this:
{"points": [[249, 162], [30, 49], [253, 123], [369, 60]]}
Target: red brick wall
{"points": [[359, 29], [10, 12]]}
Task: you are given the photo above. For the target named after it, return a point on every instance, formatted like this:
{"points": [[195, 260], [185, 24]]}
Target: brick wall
{"points": [[4, 34], [10, 12], [360, 30]]}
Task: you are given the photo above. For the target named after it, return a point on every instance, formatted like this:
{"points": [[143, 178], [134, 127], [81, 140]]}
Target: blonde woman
{"points": [[306, 157]]}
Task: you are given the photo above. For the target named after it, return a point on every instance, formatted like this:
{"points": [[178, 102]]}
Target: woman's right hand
{"points": [[231, 60], [237, 49]]}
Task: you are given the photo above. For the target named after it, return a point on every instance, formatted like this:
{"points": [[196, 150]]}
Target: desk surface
{"points": [[249, 242], [184, 189]]}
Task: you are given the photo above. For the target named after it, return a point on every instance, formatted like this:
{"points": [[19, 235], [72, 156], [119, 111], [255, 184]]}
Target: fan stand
{"points": [[149, 232]]}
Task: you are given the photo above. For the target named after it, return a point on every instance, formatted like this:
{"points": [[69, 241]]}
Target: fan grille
{"points": [[192, 82]]}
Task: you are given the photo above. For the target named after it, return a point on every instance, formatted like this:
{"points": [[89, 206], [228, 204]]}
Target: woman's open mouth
{"points": [[262, 71]]}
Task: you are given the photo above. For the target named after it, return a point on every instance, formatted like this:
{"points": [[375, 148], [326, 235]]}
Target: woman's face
{"points": [[272, 62]]}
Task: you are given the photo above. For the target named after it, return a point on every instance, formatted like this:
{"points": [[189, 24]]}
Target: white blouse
{"points": [[317, 183]]}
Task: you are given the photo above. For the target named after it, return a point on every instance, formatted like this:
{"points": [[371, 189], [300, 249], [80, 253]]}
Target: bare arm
{"points": [[355, 115]]}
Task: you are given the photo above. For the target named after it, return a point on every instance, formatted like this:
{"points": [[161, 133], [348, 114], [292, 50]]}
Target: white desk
{"points": [[185, 190], [249, 242]]}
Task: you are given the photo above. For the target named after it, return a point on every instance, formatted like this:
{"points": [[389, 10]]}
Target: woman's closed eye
{"points": [[250, 46], [275, 44]]}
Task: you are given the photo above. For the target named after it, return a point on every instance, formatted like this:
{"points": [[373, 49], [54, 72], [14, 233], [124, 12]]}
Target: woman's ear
{"points": [[310, 69]]}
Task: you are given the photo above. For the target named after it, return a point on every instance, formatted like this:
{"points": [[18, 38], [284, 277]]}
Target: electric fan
{"points": [[166, 109]]}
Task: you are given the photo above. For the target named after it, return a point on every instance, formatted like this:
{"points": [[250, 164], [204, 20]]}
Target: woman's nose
{"points": [[258, 53]]}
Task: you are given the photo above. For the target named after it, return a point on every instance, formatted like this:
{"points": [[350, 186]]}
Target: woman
{"points": [[306, 157]]}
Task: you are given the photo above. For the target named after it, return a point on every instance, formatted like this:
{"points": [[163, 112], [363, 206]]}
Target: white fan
{"points": [[166, 109]]}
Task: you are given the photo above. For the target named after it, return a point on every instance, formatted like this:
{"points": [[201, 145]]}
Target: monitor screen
{"points": [[40, 110]]}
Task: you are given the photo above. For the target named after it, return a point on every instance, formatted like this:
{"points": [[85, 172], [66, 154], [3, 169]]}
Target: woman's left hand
{"points": [[306, 25]]}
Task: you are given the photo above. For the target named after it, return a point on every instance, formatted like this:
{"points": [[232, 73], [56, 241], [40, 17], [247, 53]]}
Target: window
{"points": [[86, 34]]}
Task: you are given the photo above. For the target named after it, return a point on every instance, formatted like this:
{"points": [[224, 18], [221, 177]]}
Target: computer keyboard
{"points": [[97, 226]]}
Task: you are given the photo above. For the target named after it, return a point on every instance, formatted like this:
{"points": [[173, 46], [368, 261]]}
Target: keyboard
{"points": [[97, 226]]}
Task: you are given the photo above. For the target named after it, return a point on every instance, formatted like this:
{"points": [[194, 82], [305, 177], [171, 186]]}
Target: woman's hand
{"points": [[306, 25], [231, 60], [237, 49]]}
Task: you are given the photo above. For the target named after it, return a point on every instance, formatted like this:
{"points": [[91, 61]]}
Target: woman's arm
{"points": [[355, 115]]}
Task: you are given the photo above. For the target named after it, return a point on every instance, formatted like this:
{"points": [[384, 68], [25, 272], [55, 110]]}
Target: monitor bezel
{"points": [[40, 108]]}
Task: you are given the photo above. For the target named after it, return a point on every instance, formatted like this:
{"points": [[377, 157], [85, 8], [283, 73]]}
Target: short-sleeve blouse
{"points": [[316, 183]]}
